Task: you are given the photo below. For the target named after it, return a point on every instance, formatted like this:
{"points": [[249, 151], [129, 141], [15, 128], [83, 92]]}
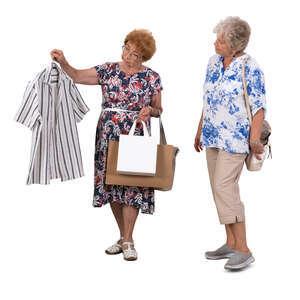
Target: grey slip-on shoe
{"points": [[220, 253], [239, 261]]}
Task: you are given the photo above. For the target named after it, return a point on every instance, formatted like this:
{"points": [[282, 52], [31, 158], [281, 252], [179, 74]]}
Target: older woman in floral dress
{"points": [[224, 130], [130, 91]]}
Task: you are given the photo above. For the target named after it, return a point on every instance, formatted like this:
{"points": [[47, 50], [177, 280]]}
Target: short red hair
{"points": [[144, 42]]}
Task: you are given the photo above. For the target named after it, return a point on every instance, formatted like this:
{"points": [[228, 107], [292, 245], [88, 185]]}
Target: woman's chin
{"points": [[127, 64]]}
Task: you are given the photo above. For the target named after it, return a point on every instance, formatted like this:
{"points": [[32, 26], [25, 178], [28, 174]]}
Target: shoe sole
{"points": [[245, 264], [130, 258], [113, 253], [219, 256]]}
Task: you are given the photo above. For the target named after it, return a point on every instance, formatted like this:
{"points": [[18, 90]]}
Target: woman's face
{"points": [[130, 56], [222, 47]]}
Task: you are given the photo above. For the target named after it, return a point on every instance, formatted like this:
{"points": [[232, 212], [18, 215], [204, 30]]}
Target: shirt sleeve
{"points": [[155, 82], [101, 71], [256, 88], [28, 113], [79, 106]]}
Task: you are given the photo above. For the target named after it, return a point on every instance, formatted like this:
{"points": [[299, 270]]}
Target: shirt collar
{"points": [[235, 59], [50, 70]]}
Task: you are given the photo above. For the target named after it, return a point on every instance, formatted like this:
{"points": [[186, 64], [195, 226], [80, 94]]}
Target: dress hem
{"points": [[139, 207]]}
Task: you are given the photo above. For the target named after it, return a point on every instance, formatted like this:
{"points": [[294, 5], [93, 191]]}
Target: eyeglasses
{"points": [[126, 50]]}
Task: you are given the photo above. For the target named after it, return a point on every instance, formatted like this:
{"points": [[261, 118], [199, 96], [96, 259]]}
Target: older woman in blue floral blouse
{"points": [[224, 131]]}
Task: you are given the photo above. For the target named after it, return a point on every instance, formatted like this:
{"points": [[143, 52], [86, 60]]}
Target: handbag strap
{"points": [[246, 91], [162, 139]]}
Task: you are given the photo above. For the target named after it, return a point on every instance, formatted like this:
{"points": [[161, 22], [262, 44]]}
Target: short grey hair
{"points": [[236, 31]]}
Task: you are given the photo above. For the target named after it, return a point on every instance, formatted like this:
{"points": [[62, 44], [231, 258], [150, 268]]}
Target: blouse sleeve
{"points": [[28, 113], [101, 71], [79, 106], [256, 88], [155, 83]]}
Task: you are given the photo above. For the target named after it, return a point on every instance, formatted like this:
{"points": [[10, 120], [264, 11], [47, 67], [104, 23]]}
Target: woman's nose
{"points": [[127, 55]]}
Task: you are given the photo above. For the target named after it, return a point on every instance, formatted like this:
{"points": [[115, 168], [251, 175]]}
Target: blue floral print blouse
{"points": [[225, 120]]}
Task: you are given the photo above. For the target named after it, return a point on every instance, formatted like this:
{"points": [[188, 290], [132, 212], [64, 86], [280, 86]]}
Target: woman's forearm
{"points": [[72, 72], [256, 126], [200, 124], [155, 105]]}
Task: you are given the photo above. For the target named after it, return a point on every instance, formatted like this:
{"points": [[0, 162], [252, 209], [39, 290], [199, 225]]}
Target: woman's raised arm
{"points": [[85, 76]]}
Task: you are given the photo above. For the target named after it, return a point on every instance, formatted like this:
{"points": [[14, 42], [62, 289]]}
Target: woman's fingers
{"points": [[258, 148], [141, 118], [145, 112], [257, 156], [57, 52], [144, 118], [198, 145], [57, 55], [198, 148]]}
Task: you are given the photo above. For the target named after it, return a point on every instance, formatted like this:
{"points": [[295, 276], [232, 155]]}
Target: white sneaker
{"points": [[129, 253], [115, 248]]}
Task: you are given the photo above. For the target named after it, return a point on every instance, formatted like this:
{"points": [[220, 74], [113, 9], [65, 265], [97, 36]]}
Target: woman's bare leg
{"points": [[130, 214], [239, 233], [230, 241], [117, 210]]}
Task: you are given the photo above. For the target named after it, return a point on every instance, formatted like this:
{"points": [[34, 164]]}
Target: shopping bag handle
{"points": [[131, 132], [162, 140]]}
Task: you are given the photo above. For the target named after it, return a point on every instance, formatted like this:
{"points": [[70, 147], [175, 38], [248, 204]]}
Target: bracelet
{"points": [[254, 142]]}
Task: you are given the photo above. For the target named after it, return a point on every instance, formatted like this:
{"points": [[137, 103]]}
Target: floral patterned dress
{"points": [[126, 92]]}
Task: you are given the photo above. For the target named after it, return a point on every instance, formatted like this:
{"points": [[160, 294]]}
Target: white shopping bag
{"points": [[137, 154]]}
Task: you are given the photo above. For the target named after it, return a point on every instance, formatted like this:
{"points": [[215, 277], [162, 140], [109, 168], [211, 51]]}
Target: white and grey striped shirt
{"points": [[51, 107]]}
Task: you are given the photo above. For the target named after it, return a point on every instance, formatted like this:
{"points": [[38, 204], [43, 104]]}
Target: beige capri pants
{"points": [[224, 169]]}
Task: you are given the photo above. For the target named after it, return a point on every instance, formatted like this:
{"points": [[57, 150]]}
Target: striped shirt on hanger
{"points": [[51, 106]]}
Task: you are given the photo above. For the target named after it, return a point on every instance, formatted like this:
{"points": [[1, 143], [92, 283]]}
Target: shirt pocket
{"points": [[232, 77], [233, 83], [231, 91]]}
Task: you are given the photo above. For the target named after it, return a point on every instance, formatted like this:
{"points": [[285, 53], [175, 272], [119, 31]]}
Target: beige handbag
{"points": [[252, 163], [165, 167]]}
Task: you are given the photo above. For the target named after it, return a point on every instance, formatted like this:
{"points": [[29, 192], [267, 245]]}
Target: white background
{"points": [[53, 240]]}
